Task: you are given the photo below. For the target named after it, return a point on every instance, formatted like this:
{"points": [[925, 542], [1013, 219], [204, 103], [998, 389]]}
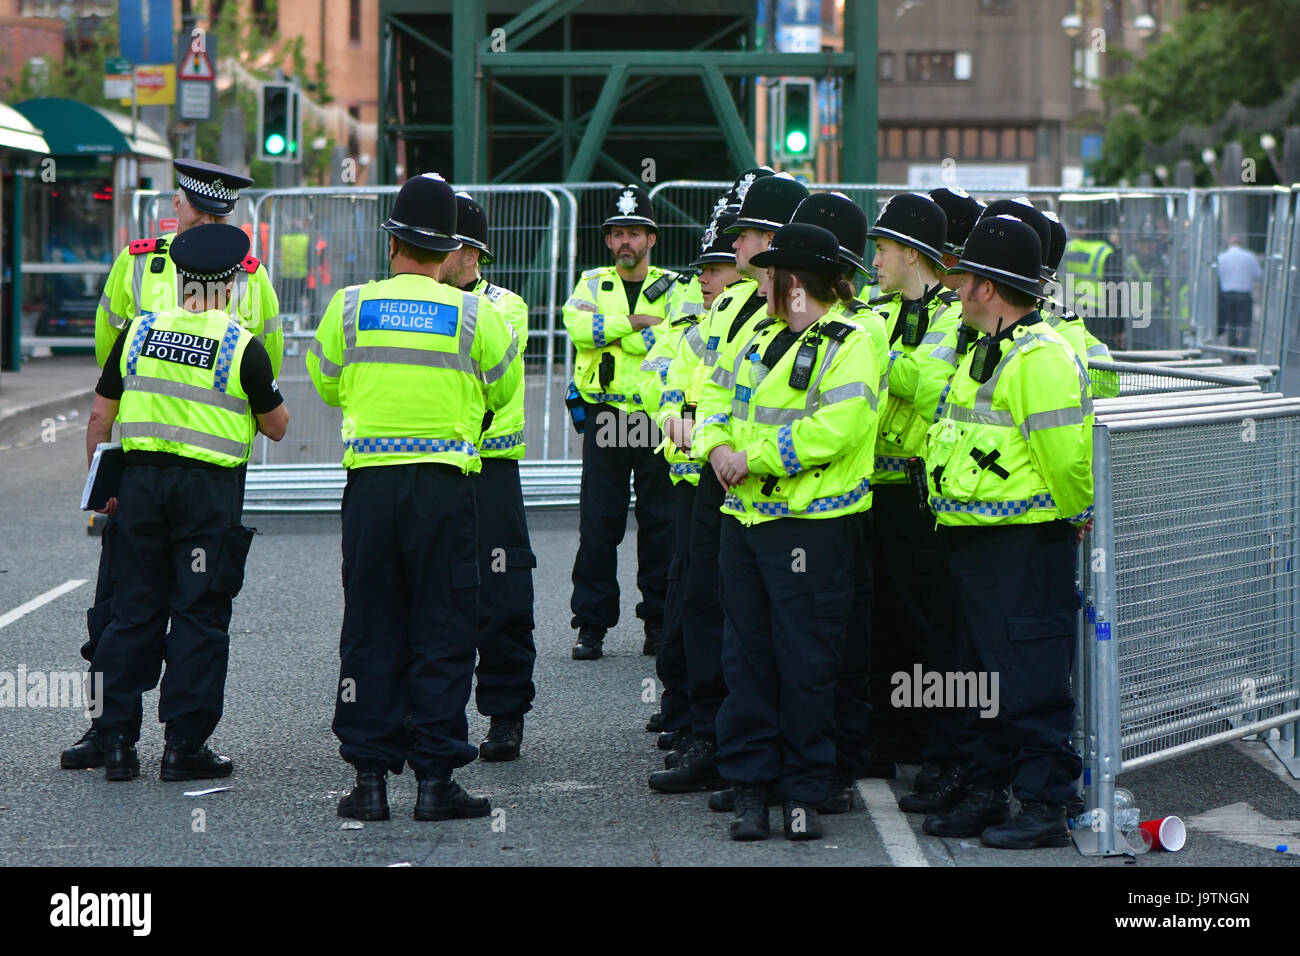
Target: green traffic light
{"points": [[796, 141], [275, 144]]}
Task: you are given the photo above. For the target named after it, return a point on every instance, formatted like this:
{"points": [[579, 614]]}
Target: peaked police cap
{"points": [[916, 221], [717, 246], [843, 217], [963, 211], [425, 214], [472, 227], [208, 187], [1059, 239], [1024, 210], [209, 253], [769, 203], [1006, 250], [631, 207]]}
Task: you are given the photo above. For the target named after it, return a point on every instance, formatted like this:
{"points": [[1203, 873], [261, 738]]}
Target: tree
{"points": [[1219, 53], [79, 77]]}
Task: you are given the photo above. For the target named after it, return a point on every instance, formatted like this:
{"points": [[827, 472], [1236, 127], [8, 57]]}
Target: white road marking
{"points": [[1242, 823], [895, 831], [23, 609]]}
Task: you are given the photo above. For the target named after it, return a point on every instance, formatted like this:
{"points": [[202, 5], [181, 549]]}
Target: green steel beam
{"points": [[528, 106], [421, 38], [733, 128], [601, 117], [531, 22], [858, 109], [668, 63], [469, 147], [536, 154]]}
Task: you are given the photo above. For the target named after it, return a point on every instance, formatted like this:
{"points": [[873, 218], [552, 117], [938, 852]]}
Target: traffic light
{"points": [[795, 127], [278, 124]]}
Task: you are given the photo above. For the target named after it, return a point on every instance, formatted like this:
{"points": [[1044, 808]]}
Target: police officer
{"points": [[144, 279], [415, 365], [789, 449], [909, 611], [614, 317], [1010, 479], [961, 210], [505, 644], [190, 387], [1065, 320]]}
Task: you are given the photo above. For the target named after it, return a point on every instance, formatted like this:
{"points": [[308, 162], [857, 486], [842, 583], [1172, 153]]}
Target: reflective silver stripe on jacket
{"points": [[273, 324], [327, 367], [981, 416], [137, 281], [496, 371], [190, 393], [693, 339], [186, 436], [1053, 419], [115, 320], [398, 355], [1098, 351]]}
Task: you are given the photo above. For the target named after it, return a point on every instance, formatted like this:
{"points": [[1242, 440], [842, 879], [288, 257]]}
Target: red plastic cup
{"points": [[1168, 833]]}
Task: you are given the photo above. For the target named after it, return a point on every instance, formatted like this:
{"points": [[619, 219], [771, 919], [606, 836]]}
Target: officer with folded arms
{"points": [[1009, 471], [790, 451], [191, 388]]}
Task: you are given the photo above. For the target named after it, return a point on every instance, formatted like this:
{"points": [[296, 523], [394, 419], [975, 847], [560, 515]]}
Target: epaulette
{"points": [[763, 323], [494, 293], [684, 320], [250, 264], [139, 247], [1028, 341], [881, 299], [598, 271], [719, 306], [686, 275], [839, 331], [855, 305], [951, 296]]}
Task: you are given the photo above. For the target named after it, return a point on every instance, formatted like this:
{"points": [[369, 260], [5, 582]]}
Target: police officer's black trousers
{"points": [[911, 625], [505, 608], [701, 609], [615, 448], [787, 590], [675, 705], [410, 618], [853, 708], [1017, 614], [179, 554]]}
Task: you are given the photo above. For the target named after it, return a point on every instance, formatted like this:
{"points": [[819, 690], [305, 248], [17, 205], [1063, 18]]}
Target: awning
{"points": [[16, 132], [75, 129]]}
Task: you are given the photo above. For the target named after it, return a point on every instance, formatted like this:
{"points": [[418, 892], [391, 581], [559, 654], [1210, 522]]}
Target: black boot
{"points": [[724, 801], [368, 800], [926, 776], [655, 724], [503, 739], [674, 739], [697, 770], [84, 754], [673, 759], [445, 800], [121, 762], [589, 644], [751, 821], [979, 810], [841, 798], [201, 764], [654, 638], [946, 792], [802, 821], [1036, 825]]}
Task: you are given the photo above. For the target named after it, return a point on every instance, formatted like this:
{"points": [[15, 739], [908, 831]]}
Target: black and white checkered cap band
{"points": [[207, 189], [209, 276]]}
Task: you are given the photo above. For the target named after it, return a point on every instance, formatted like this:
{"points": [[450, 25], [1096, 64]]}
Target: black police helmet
{"points": [[209, 253], [1059, 239], [963, 211], [471, 226], [1005, 249], [1024, 210], [632, 207], [717, 246], [769, 203], [208, 187], [803, 247], [843, 217], [736, 194], [915, 220], [424, 214]]}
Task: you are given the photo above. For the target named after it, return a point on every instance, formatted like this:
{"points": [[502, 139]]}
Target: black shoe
{"points": [[946, 792], [654, 638], [368, 800], [697, 770], [751, 821], [121, 762], [203, 764], [979, 810], [655, 724], [802, 821], [1036, 825], [673, 759], [589, 644], [841, 799], [724, 801], [445, 800], [87, 753], [926, 776], [1074, 807], [668, 740], [505, 734]]}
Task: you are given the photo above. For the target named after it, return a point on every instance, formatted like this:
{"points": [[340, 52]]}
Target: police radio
{"points": [[915, 470], [606, 370], [660, 286], [915, 320], [988, 353], [804, 360], [966, 336]]}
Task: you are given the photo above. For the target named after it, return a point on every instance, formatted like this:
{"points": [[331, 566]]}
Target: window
{"points": [[1087, 68], [354, 22], [938, 67], [934, 143], [885, 67]]}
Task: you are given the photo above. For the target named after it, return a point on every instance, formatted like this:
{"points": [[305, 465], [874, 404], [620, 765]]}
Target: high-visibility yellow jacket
{"points": [[661, 401], [1016, 449], [736, 309], [1089, 348], [143, 279], [505, 436], [414, 364]]}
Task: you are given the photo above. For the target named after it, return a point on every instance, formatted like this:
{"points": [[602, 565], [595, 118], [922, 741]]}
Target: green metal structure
{"points": [[571, 90]]}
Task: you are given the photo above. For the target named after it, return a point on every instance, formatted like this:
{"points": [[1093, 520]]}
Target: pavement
{"points": [[46, 391], [577, 795]]}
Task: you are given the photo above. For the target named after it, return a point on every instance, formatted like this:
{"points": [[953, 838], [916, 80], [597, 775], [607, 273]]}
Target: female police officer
{"points": [[793, 449]]}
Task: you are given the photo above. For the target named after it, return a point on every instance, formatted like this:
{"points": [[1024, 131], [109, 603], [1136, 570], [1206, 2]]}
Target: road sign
{"points": [[117, 78], [155, 85], [195, 65], [196, 94]]}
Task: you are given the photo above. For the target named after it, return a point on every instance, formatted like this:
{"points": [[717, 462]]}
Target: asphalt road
{"points": [[578, 794]]}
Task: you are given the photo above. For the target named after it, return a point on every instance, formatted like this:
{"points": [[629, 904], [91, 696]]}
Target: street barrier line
{"points": [[24, 609], [891, 824]]}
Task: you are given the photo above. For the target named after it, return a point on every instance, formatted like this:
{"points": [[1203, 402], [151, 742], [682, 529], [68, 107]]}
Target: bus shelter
{"points": [[21, 146]]}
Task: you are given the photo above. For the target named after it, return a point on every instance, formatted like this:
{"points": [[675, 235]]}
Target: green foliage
{"points": [[80, 77]]}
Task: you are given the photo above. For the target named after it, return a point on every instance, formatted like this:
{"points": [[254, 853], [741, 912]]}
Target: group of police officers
{"points": [[849, 488]]}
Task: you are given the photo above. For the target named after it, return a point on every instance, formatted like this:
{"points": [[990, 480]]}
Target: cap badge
{"points": [[627, 203], [743, 186]]}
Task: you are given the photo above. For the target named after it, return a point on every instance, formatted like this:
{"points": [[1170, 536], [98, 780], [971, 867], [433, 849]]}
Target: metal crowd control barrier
{"points": [[1191, 581]]}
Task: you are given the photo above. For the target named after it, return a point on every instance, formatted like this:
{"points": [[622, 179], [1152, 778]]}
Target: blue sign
{"points": [[803, 12], [409, 315], [146, 31]]}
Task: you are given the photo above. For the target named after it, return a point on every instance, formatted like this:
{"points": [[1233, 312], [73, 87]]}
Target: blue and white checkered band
{"points": [[216, 189]]}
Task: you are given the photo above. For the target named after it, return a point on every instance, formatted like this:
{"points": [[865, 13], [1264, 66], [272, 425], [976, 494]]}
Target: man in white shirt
{"points": [[1239, 272]]}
